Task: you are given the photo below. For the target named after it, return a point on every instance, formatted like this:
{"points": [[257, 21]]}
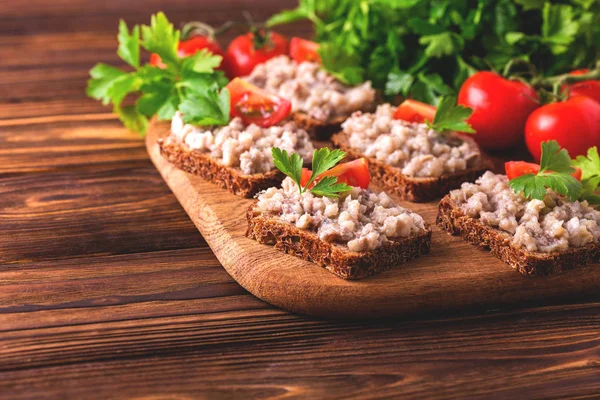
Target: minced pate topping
{"points": [[310, 89], [245, 147], [363, 220], [414, 148], [554, 224]]}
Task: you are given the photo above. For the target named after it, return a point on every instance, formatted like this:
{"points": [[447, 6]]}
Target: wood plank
{"points": [[250, 353], [113, 280], [454, 276], [53, 143], [81, 15], [109, 209]]}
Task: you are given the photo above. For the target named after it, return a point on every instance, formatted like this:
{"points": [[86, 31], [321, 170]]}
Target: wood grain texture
{"points": [[108, 291], [264, 354], [454, 276]]}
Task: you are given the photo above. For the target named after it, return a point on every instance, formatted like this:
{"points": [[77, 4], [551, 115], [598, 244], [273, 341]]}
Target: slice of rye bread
{"points": [[454, 221], [208, 168], [317, 129], [338, 259], [416, 189]]}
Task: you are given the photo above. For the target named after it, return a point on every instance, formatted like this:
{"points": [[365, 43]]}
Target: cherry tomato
{"points": [[415, 111], [585, 88], [353, 173], [189, 47], [574, 124], [256, 106], [500, 108], [304, 50], [517, 168], [242, 56]]}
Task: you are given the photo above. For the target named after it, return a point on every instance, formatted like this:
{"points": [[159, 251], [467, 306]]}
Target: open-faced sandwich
{"points": [[237, 155], [537, 218], [330, 217], [414, 151], [320, 102]]}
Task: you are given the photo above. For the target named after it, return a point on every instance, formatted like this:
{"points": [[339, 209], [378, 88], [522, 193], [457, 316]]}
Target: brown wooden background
{"points": [[108, 290]]}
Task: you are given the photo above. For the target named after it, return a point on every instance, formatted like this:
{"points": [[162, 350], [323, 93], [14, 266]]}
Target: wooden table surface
{"points": [[108, 290]]}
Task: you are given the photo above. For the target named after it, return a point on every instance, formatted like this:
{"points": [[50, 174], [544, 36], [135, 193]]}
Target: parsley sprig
{"points": [[590, 179], [424, 50], [451, 117], [190, 85], [323, 160], [554, 173]]}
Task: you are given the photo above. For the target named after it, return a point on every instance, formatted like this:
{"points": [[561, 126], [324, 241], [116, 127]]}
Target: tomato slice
{"points": [[515, 169], [304, 50], [415, 111], [256, 106], [353, 173], [518, 168]]}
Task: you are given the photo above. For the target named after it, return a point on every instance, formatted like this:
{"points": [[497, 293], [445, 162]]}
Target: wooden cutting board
{"points": [[455, 276]]}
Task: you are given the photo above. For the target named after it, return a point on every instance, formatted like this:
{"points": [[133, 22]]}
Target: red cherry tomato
{"points": [[500, 108], [515, 169], [585, 88], [574, 124], [353, 173], [304, 50], [415, 111], [256, 106], [242, 56], [189, 47]]}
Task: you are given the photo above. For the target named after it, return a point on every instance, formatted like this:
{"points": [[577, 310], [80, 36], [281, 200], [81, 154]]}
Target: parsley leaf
{"points": [[590, 165], [442, 44], [129, 45], [323, 160], [210, 108], [161, 38], [203, 62], [554, 173], [329, 186], [558, 27], [122, 86], [450, 117], [345, 67], [103, 78], [132, 118], [555, 159], [398, 82], [290, 165], [590, 179]]}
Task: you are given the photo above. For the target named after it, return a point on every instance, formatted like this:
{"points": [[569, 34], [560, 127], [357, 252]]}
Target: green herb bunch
{"points": [[323, 160], [425, 49], [190, 85], [556, 173]]}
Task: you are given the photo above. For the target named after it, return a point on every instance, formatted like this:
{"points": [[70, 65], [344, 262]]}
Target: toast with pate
{"points": [[320, 103], [235, 157], [410, 159], [353, 236], [535, 237]]}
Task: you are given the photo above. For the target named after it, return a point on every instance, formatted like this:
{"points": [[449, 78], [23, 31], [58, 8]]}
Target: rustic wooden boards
{"points": [[455, 276], [107, 290]]}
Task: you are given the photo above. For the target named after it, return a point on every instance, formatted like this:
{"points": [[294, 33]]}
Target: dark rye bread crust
{"points": [[346, 264], [416, 189], [317, 129], [453, 221], [208, 168]]}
